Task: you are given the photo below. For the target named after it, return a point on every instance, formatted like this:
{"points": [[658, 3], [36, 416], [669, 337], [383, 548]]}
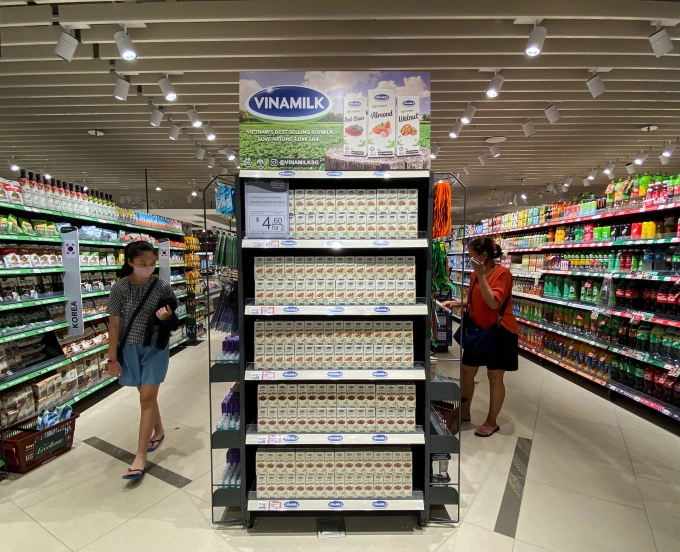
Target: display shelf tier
{"points": [[659, 276], [223, 371], [337, 438], [374, 374], [225, 498], [180, 342], [418, 309], [336, 175], [27, 271], [416, 502], [339, 243], [225, 439], [443, 494], [89, 391], [575, 304], [50, 326]]}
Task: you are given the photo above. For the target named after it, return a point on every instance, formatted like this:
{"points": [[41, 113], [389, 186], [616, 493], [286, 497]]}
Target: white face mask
{"points": [[143, 271]]}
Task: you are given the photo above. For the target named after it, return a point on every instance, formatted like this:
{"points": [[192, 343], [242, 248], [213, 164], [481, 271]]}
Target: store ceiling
{"points": [[47, 105]]}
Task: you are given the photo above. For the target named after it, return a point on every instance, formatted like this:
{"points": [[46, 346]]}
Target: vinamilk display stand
{"points": [[256, 497]]}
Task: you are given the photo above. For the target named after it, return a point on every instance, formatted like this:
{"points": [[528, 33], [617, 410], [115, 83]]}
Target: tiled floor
{"points": [[599, 479]]}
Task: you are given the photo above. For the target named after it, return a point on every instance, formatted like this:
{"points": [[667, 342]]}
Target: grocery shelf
{"points": [[97, 293], [633, 275], [26, 271], [173, 282], [415, 502], [419, 309], [30, 237], [9, 305], [181, 295], [100, 267], [32, 372], [89, 391], [340, 243], [559, 331], [373, 374], [587, 375], [180, 342], [336, 438], [576, 304], [584, 218], [102, 243], [550, 246], [534, 275]]}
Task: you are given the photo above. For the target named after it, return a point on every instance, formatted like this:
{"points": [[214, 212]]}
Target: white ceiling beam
{"points": [[43, 52], [25, 16]]}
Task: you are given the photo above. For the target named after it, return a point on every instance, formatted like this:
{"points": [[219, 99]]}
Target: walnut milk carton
{"points": [[408, 125], [381, 122], [355, 134]]}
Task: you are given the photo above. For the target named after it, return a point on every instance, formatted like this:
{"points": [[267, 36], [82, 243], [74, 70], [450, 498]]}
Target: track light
{"points": [[13, 165], [208, 131], [586, 182], [194, 192], [592, 174], [468, 114], [66, 47], [174, 132], [661, 43], [565, 188], [121, 89], [156, 117], [668, 150], [483, 159], [237, 162], [524, 196], [434, 151], [536, 40], [467, 169], [596, 86], [125, 46], [200, 152], [609, 169], [158, 188], [528, 128], [630, 168], [640, 159], [568, 181], [211, 162], [495, 86], [195, 118], [228, 153], [168, 89], [495, 150], [550, 188], [552, 114], [664, 160], [455, 129]]}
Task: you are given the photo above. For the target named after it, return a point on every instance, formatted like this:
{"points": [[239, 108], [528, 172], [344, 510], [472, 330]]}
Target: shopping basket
{"points": [[26, 448]]}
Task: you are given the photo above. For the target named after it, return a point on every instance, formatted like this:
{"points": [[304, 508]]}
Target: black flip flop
{"points": [[159, 441], [134, 475], [498, 428]]}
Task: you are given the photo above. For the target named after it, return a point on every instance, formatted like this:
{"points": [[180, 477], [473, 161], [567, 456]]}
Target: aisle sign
{"points": [[164, 260], [267, 209], [70, 254]]}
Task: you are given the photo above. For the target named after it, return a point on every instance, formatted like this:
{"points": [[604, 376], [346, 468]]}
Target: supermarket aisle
{"points": [[598, 478]]}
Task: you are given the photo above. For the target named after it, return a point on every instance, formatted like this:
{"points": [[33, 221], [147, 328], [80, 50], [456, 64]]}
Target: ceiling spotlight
{"points": [[592, 174], [468, 114], [495, 86], [661, 43], [211, 162], [174, 131], [495, 150], [536, 40], [565, 188], [586, 182], [125, 46], [194, 118], [630, 168], [609, 169], [121, 89], [194, 192], [158, 188], [524, 197], [483, 159], [47, 175], [664, 160], [168, 89], [66, 47], [156, 117], [596, 86], [550, 188], [13, 165], [228, 153], [467, 169], [434, 151], [553, 114], [455, 129], [208, 131], [528, 128], [568, 181], [668, 150], [200, 152], [95, 132], [640, 159]]}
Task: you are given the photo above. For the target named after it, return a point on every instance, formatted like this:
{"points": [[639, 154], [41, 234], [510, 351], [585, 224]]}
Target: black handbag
{"points": [[121, 342], [472, 337]]}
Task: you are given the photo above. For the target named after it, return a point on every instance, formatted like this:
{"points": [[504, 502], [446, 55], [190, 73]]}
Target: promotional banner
{"points": [[70, 254], [334, 120], [164, 260]]}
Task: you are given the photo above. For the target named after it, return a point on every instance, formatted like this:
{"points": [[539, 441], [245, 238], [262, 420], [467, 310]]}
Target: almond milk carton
{"points": [[408, 125], [355, 134], [381, 122]]}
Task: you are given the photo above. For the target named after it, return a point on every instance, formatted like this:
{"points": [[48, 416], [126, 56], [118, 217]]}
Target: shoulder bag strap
{"points": [[505, 303], [139, 308]]}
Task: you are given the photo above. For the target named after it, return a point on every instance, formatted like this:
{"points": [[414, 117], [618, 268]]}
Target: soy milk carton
{"points": [[381, 122], [408, 125], [355, 135]]}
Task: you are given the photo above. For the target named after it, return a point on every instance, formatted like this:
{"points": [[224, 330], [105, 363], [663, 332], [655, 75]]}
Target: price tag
{"points": [[266, 206], [269, 375], [262, 439], [275, 439], [255, 310], [256, 376], [262, 505], [275, 505]]}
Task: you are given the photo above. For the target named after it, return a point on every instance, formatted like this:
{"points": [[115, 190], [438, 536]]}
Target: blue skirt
{"points": [[143, 365]]}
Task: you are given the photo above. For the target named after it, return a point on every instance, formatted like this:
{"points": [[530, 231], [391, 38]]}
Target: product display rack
{"points": [[422, 442]]}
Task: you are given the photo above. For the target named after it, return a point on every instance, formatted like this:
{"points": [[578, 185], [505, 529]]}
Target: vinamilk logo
{"points": [[289, 103], [336, 504], [291, 504]]}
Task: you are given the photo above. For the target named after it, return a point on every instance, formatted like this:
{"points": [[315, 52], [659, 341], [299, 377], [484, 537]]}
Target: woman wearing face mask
{"points": [[489, 297], [141, 316]]}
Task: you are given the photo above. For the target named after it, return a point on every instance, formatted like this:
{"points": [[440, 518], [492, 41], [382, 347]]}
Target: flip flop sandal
{"points": [[478, 434], [134, 475], [159, 441]]}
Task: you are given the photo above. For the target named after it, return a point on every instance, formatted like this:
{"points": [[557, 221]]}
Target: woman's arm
{"points": [[455, 303], [114, 331]]}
